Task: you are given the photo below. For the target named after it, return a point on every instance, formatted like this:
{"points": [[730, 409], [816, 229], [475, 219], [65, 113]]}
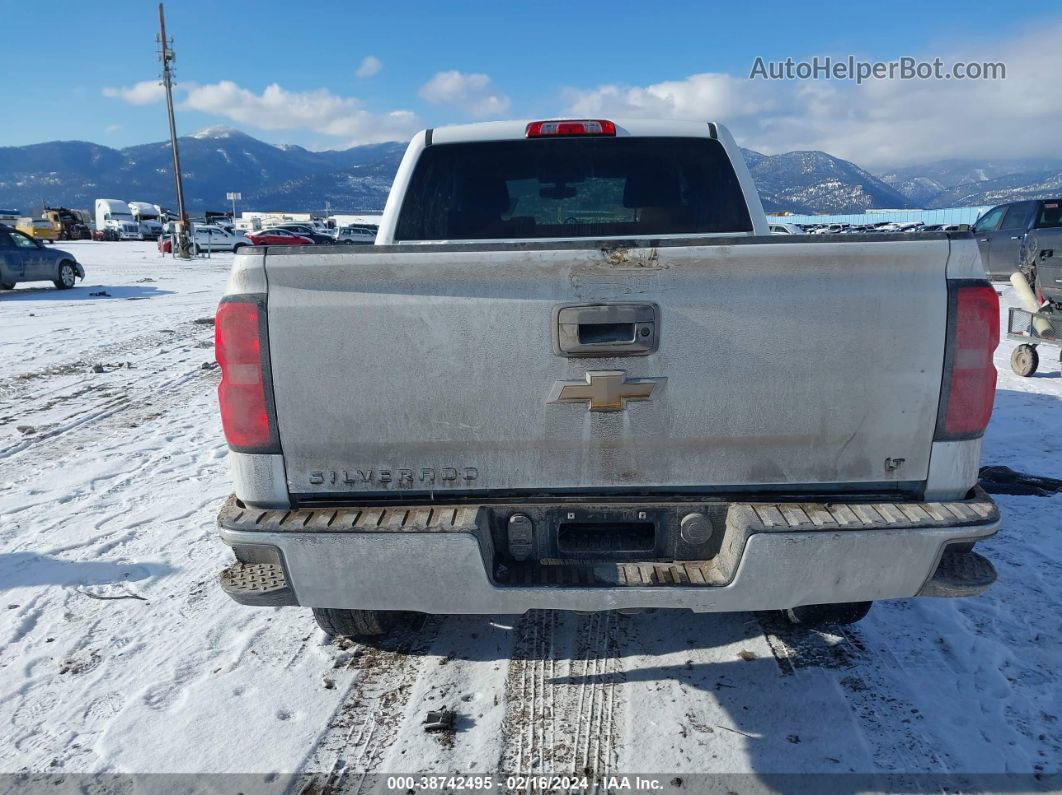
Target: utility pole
{"points": [[233, 197], [167, 56]]}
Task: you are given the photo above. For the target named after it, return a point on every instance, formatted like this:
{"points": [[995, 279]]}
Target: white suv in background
{"points": [[356, 234], [212, 237]]}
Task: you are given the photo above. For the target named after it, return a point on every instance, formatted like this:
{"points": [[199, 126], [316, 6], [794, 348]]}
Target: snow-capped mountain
{"points": [[968, 183], [213, 162], [815, 182], [289, 177], [1012, 187]]}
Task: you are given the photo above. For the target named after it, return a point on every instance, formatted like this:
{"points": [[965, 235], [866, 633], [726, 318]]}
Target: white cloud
{"points": [[111, 129], [370, 65], [692, 98], [474, 94], [276, 108], [882, 122], [143, 93]]}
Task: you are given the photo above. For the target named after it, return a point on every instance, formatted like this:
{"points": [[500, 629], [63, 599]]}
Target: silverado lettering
{"points": [[400, 476]]}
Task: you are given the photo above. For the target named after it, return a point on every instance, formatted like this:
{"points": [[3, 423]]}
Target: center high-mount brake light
{"points": [[567, 127], [245, 391]]}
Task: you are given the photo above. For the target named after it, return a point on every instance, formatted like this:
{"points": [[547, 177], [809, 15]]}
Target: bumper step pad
{"points": [[460, 519], [960, 574], [259, 584]]}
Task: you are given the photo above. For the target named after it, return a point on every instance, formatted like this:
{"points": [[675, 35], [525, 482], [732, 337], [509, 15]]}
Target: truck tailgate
{"points": [[428, 369]]}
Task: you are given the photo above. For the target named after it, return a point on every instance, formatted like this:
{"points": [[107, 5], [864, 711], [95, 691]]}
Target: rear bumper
{"points": [[447, 559]]}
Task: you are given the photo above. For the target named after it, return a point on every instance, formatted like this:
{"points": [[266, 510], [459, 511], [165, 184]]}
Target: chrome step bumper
{"points": [[771, 555]]}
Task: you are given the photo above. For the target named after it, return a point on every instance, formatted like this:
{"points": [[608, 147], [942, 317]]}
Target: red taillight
{"points": [[970, 375], [559, 127], [242, 394]]}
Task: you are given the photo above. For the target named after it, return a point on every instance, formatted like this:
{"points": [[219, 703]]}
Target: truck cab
{"points": [[147, 218], [115, 221]]}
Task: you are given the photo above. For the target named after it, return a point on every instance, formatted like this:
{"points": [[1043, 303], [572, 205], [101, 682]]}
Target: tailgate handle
{"points": [[606, 329]]}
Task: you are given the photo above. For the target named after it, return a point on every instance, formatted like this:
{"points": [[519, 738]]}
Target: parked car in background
{"points": [[25, 259], [38, 228], [1001, 230], [308, 231], [785, 229], [214, 237], [355, 234], [207, 238], [278, 237]]}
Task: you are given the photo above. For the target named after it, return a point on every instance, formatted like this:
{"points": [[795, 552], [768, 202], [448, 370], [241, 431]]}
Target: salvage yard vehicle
{"points": [[1000, 232], [1040, 254], [207, 238], [278, 237], [1038, 287], [23, 259], [565, 378], [147, 219], [353, 235], [114, 220], [214, 237], [316, 235], [69, 224], [38, 229]]}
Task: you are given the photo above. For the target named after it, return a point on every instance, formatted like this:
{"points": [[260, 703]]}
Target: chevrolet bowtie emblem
{"points": [[604, 390]]}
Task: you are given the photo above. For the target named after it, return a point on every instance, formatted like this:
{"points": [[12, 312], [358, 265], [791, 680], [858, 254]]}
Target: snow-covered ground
{"points": [[118, 652]]}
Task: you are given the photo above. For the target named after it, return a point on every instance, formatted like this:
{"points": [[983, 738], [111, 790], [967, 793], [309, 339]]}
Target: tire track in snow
{"points": [[83, 403], [366, 722], [144, 347], [601, 673], [562, 695], [163, 393]]}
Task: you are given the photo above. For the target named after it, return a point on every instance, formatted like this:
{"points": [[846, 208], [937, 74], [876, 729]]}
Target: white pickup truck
{"points": [[576, 372]]}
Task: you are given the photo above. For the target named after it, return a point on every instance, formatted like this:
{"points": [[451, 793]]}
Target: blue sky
{"points": [[442, 63]]}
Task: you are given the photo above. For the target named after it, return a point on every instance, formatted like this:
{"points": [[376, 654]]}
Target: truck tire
{"points": [[66, 276], [356, 623], [1024, 360], [821, 615]]}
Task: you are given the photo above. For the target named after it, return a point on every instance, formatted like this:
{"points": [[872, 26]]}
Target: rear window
{"points": [[564, 187], [1050, 215]]}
